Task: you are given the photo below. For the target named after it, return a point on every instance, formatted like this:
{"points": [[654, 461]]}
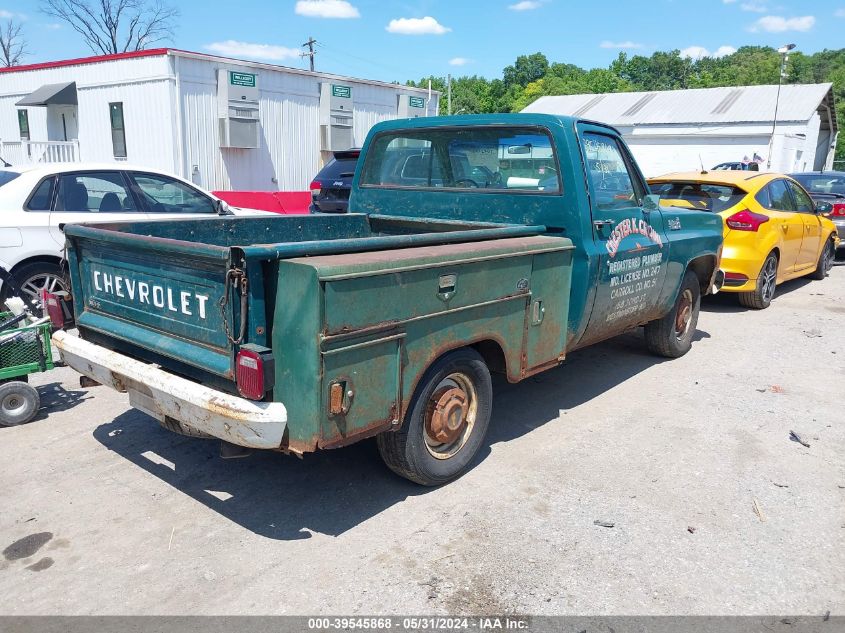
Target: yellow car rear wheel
{"points": [[761, 297]]}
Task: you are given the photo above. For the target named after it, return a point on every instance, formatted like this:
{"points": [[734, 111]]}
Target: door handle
{"points": [[785, 228], [600, 223]]}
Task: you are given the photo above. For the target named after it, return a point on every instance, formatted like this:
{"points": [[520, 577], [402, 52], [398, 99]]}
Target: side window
{"points": [[780, 198], [763, 198], [23, 125], [608, 173], [42, 196], [94, 192], [477, 158], [803, 203], [165, 195]]}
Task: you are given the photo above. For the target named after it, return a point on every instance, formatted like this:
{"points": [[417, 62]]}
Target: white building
{"points": [[223, 123], [681, 130]]}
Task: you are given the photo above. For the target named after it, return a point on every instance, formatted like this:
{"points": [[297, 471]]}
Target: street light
{"points": [[784, 53]]}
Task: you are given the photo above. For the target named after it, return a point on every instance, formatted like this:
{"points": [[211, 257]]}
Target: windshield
{"points": [[697, 195], [823, 184], [7, 177]]}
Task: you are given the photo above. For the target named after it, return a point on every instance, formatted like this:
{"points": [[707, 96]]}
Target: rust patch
{"points": [[369, 430]]}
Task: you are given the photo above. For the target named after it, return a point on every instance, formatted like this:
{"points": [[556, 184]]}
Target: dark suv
{"points": [[330, 188]]}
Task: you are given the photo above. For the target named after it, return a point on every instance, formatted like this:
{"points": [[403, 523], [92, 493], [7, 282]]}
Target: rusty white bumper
{"points": [[159, 393]]}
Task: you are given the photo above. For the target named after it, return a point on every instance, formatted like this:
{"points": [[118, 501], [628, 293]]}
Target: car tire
{"points": [[825, 261], [19, 402], [761, 297], [31, 278], [671, 335], [433, 446]]}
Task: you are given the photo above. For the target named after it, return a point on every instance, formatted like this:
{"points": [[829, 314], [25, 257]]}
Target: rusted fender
{"points": [[160, 393]]}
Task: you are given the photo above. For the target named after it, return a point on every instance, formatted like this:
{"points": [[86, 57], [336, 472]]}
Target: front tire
{"points": [[671, 335], [761, 297], [825, 262], [446, 422], [19, 403]]}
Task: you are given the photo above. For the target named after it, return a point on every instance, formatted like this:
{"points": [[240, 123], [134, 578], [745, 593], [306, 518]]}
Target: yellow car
{"points": [[773, 230]]}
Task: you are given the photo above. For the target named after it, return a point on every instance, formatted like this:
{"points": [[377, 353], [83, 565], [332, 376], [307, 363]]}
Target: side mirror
{"points": [[222, 207], [823, 208]]}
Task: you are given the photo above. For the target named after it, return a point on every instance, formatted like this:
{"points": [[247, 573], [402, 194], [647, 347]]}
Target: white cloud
{"points": [[525, 5], [9, 15], [459, 61], [697, 52], [779, 24], [625, 44], [53, 26], [839, 13], [233, 48], [326, 9], [728, 1], [754, 6], [417, 26]]}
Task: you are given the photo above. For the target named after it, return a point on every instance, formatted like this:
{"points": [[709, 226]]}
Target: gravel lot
{"points": [[714, 509]]}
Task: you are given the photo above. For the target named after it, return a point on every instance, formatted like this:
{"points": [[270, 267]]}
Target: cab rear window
{"points": [[696, 195]]}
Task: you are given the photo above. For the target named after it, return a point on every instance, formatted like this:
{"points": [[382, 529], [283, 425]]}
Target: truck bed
{"points": [[184, 294]]}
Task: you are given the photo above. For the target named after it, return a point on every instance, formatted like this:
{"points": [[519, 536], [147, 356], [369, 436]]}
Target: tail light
{"points": [[838, 210], [254, 371], [315, 187], [746, 220], [53, 308]]}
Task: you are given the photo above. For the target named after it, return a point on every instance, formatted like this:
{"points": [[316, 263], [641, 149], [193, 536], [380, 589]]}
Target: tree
{"points": [[12, 44], [526, 69], [115, 26]]}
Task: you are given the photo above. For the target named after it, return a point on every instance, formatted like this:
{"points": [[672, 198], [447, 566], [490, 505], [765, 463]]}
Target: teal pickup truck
{"points": [[475, 244]]}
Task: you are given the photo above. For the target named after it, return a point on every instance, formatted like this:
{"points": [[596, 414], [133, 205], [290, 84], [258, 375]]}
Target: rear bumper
{"points": [[160, 393]]}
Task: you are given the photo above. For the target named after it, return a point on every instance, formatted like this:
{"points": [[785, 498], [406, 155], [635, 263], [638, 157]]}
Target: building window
{"points": [[23, 124], [118, 131]]}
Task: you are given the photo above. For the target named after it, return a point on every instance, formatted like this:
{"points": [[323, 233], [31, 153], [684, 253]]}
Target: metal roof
{"points": [[735, 104]]}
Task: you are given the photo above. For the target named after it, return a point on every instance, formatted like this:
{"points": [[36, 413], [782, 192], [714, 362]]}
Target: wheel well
{"points": [[703, 269], [47, 259], [493, 355]]}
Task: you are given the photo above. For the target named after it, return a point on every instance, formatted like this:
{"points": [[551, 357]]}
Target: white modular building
{"points": [[225, 124], [685, 130]]}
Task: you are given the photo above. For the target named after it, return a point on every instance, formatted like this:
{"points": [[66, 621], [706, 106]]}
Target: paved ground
{"points": [[715, 510]]}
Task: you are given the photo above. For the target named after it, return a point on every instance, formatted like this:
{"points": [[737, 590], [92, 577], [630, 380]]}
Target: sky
{"points": [[411, 39]]}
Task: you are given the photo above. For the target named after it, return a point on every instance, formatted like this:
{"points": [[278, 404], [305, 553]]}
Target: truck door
{"points": [[629, 244]]}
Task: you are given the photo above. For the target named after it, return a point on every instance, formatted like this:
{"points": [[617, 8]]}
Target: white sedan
{"points": [[37, 201]]}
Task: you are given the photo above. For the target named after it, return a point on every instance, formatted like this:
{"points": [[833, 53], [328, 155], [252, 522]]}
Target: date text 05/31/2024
{"points": [[491, 623]]}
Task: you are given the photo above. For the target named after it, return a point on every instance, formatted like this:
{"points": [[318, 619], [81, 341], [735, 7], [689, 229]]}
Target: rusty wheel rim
{"points": [[683, 317], [450, 415]]}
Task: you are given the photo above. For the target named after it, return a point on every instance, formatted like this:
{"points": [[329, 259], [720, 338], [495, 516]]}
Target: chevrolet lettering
{"points": [[473, 245], [150, 294]]}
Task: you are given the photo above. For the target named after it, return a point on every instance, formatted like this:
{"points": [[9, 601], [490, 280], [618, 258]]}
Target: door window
{"points": [[118, 130], [777, 197], [42, 196], [94, 192], [166, 195], [803, 202], [609, 174]]}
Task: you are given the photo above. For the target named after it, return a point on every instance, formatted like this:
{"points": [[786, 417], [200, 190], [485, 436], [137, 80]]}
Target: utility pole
{"points": [[310, 54], [784, 52], [449, 93]]}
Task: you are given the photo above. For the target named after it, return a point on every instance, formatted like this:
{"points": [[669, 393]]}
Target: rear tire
{"points": [[18, 403], [671, 335], [825, 262], [761, 297], [446, 422], [33, 277]]}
